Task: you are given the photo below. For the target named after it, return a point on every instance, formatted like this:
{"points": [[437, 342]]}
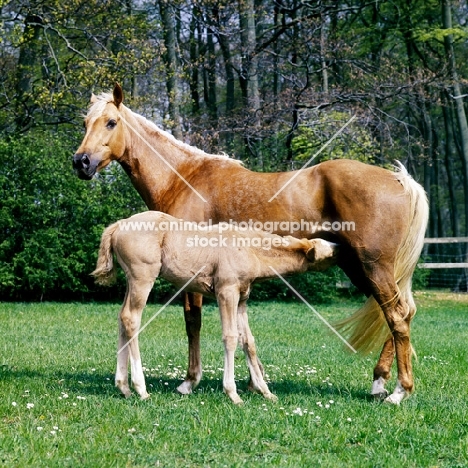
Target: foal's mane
{"points": [[105, 98]]}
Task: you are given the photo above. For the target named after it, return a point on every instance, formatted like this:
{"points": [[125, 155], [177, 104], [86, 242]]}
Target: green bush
{"points": [[50, 221], [314, 287]]}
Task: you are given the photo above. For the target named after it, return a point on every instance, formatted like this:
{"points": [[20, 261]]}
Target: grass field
{"points": [[59, 407]]}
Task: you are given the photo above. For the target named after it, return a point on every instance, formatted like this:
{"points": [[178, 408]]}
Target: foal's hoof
{"points": [[145, 396], [185, 388], [271, 397], [237, 400], [126, 393]]}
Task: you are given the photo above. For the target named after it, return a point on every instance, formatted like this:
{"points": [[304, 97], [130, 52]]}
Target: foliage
{"points": [[355, 142], [421, 277], [50, 221], [314, 287]]}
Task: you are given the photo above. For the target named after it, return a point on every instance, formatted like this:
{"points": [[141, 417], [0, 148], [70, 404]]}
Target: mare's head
{"points": [[104, 140]]}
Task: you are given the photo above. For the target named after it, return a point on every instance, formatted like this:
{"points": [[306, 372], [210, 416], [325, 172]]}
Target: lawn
{"points": [[59, 407]]}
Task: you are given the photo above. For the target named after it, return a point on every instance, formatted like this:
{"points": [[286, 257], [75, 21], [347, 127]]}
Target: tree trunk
{"points": [[249, 72], [170, 60], [449, 164], [194, 74], [211, 81], [25, 72], [323, 48], [223, 41], [457, 97]]}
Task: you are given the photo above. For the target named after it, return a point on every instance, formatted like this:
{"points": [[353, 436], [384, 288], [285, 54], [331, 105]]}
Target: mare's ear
{"points": [[93, 98], [118, 95]]}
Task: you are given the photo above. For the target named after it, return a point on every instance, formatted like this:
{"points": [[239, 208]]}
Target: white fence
{"points": [[447, 258], [445, 240]]}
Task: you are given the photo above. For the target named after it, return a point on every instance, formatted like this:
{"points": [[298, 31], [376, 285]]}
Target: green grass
{"points": [[61, 359]]}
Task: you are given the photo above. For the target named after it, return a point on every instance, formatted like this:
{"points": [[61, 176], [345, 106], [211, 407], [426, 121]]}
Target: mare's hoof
{"points": [[396, 398], [398, 395], [145, 396], [381, 396], [185, 388]]}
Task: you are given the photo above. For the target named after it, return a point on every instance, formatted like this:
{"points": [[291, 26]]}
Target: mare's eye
{"points": [[111, 124]]}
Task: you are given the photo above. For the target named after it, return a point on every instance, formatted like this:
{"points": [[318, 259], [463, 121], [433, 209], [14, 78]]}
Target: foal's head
{"points": [[104, 140]]}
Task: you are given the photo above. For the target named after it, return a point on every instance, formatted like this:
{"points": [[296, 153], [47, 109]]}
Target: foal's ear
{"points": [[118, 95], [93, 98]]}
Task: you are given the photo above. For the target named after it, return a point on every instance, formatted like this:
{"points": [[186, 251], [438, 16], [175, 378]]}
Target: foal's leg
{"points": [[192, 315], [129, 326], [228, 300], [121, 374], [247, 341]]}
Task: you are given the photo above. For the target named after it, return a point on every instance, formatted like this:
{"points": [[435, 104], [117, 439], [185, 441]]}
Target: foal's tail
{"points": [[106, 272], [367, 329]]}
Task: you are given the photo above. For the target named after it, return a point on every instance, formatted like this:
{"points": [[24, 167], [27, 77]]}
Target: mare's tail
{"points": [[105, 272], [367, 329]]}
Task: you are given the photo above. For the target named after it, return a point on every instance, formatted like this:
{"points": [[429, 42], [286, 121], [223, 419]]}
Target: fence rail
{"points": [[444, 240]]}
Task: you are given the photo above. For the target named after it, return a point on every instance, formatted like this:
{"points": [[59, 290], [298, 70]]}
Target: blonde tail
{"points": [[105, 272], [367, 329]]}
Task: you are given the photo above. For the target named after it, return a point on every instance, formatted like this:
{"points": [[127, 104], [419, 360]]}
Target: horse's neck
{"points": [[151, 159]]}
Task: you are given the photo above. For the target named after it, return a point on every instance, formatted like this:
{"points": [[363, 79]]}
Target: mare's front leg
{"points": [[128, 348], [257, 382], [228, 300], [192, 316]]}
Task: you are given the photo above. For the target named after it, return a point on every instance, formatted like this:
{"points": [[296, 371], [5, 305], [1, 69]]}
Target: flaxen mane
{"points": [[105, 98]]}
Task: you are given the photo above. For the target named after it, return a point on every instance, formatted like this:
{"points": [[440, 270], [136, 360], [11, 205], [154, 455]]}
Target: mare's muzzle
{"points": [[83, 166]]}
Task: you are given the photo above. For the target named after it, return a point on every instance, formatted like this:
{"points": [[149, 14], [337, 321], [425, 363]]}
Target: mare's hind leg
{"points": [[257, 382], [382, 370], [129, 326], [192, 315], [398, 313]]}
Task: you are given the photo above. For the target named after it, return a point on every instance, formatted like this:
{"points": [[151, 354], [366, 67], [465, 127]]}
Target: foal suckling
{"points": [[221, 262]]}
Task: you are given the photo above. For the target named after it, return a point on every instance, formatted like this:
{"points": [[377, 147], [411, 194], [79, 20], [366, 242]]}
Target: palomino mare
{"points": [[389, 212], [225, 266]]}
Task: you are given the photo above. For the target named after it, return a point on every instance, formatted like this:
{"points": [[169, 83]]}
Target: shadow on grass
{"points": [[99, 383], [298, 387]]}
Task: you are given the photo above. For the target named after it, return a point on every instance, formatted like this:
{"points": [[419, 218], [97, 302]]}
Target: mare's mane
{"points": [[105, 98]]}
